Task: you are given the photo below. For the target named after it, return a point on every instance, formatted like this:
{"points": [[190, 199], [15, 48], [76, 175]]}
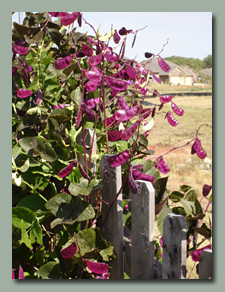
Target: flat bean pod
{"points": [[115, 83], [124, 115], [128, 133], [119, 159]]}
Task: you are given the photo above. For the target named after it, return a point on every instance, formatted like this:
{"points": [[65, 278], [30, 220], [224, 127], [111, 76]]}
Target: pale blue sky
{"points": [[189, 33]]}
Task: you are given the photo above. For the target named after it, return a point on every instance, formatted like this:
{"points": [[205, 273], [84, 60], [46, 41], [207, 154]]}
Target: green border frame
{"points": [[218, 20]]}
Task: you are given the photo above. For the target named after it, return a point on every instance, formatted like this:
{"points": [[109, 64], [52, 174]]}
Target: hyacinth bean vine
{"points": [[64, 82]]}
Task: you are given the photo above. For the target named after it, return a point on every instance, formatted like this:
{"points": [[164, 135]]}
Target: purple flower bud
{"points": [[148, 55], [116, 37], [38, 97]]}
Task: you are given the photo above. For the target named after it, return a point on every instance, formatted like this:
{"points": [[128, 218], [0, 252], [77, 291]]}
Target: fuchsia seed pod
{"points": [[119, 159], [201, 154], [162, 166], [88, 51], [138, 175], [94, 76], [83, 173], [197, 148], [131, 72], [122, 103], [116, 37], [114, 135], [206, 189], [69, 251], [89, 113], [66, 170], [95, 60], [23, 93], [91, 86], [79, 115], [177, 110], [163, 65], [63, 62], [20, 50], [124, 115], [173, 122], [110, 121], [92, 102], [111, 56], [155, 77], [69, 18], [21, 273], [97, 268], [14, 71], [196, 253], [138, 166], [128, 133], [117, 84], [166, 98], [132, 185], [38, 97]]}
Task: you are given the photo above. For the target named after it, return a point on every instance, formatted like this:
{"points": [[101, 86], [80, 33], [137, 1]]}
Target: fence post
{"points": [[174, 247], [205, 264], [142, 231], [89, 136], [112, 229]]}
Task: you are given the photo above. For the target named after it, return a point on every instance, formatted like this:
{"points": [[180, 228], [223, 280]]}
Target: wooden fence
{"points": [[135, 250]]}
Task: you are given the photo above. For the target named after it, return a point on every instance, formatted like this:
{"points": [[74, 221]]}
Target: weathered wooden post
{"points": [[174, 247], [205, 264], [142, 231], [90, 144], [112, 229]]}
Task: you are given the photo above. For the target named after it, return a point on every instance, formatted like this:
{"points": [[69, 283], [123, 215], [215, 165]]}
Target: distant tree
{"points": [[207, 62]]}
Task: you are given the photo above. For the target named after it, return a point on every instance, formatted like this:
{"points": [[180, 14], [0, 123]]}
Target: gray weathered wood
{"points": [[112, 229], [142, 232], [205, 264], [174, 247], [127, 251], [89, 136]]}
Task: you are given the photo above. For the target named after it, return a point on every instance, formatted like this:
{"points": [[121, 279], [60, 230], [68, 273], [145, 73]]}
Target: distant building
{"points": [[183, 75], [207, 73]]}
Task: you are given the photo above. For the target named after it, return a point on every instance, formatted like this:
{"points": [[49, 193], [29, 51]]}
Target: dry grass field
{"points": [[185, 168]]}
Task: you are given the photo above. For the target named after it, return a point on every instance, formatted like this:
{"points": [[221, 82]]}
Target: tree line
{"points": [[195, 64]]}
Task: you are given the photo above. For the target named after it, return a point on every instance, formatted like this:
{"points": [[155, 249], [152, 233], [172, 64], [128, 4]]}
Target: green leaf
{"points": [[179, 211], [19, 213], [80, 188], [188, 206], [76, 96], [21, 29], [191, 196], [50, 84], [204, 230], [24, 235], [176, 196], [36, 232], [50, 270], [34, 85], [160, 187], [161, 217], [60, 205], [25, 166], [106, 253], [185, 188], [86, 240], [45, 149], [60, 115], [35, 38], [198, 208], [26, 145], [83, 211], [33, 202]]}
